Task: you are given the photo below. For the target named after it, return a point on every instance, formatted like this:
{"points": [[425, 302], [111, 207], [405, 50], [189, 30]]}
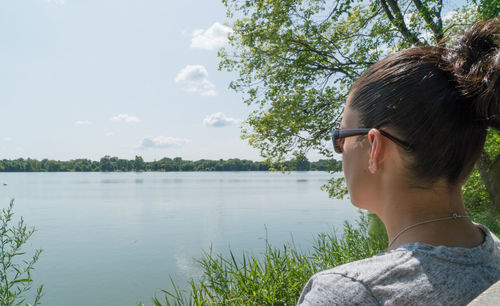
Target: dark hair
{"points": [[440, 100]]}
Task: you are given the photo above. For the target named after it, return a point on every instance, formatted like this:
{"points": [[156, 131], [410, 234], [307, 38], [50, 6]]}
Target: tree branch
{"points": [[438, 15], [494, 180], [398, 21], [483, 165], [436, 28], [334, 68]]}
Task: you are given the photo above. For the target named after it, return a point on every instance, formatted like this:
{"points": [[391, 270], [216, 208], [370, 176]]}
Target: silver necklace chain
{"points": [[454, 216]]}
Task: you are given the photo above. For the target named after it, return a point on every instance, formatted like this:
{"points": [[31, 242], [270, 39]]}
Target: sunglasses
{"points": [[339, 135]]}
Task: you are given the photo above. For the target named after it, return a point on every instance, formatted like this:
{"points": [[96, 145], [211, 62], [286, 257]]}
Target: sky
{"points": [[89, 78], [85, 79]]}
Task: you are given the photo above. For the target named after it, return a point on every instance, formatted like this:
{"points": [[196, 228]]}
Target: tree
{"points": [[139, 164], [122, 165], [489, 167], [299, 163], [32, 165], [82, 165], [54, 166], [297, 59], [488, 8], [105, 163]]}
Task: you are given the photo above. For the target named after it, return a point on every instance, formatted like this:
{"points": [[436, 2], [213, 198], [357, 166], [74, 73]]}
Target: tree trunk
{"points": [[494, 173]]}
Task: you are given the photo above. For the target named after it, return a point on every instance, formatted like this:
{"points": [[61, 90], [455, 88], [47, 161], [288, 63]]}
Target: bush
{"points": [[478, 204], [15, 277]]}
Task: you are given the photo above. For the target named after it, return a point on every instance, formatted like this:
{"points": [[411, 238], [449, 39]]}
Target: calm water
{"points": [[115, 238]]}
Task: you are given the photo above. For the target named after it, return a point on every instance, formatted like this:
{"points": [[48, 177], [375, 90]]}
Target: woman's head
{"points": [[440, 101]]}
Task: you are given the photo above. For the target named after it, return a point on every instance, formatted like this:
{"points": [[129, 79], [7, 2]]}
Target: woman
{"points": [[413, 127]]}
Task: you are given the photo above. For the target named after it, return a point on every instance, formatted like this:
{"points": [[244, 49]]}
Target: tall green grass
{"points": [[277, 276]]}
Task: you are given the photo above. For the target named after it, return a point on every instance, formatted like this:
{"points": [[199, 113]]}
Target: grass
{"points": [[277, 276]]}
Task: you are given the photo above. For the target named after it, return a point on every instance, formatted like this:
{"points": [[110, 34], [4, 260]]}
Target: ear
{"points": [[376, 150]]}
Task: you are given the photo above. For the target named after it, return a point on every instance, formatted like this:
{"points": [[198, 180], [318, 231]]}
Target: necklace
{"points": [[454, 216]]}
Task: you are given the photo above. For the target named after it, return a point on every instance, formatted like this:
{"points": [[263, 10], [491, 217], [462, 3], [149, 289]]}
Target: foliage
{"points": [[488, 8], [15, 277], [335, 187], [492, 145], [114, 164], [297, 59], [275, 277], [376, 228], [475, 195]]}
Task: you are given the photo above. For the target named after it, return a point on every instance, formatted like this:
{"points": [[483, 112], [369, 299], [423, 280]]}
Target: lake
{"points": [[116, 238]]}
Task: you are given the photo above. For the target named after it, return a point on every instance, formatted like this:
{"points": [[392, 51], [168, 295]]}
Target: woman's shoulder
{"points": [[351, 283], [331, 287], [391, 276], [375, 267]]}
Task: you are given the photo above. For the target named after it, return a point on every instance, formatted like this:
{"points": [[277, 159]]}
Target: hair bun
{"points": [[475, 63]]}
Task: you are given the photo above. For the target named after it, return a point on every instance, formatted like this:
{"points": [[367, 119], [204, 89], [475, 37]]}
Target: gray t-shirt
{"points": [[412, 274]]}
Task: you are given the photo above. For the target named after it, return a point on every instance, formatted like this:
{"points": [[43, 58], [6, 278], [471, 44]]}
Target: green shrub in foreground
{"points": [[277, 276], [15, 266]]}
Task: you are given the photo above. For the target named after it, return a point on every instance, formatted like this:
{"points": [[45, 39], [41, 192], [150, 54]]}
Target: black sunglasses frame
{"points": [[338, 134]]}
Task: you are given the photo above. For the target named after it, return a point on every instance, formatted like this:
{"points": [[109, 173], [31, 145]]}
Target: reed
{"points": [[277, 276]]}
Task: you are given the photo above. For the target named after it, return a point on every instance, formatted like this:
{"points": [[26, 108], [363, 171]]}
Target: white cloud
{"points": [[211, 38], [219, 120], [162, 142], [194, 78], [83, 122], [125, 118], [57, 2], [109, 134]]}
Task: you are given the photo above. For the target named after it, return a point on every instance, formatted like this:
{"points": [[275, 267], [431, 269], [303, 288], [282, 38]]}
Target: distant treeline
{"points": [[115, 164]]}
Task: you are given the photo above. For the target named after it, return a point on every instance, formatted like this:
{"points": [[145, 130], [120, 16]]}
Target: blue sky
{"points": [[88, 78], [116, 77]]}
